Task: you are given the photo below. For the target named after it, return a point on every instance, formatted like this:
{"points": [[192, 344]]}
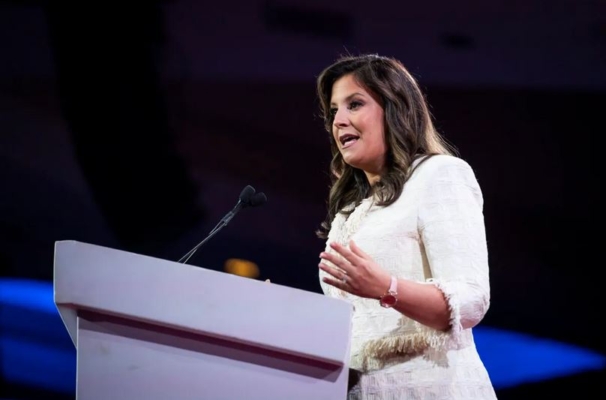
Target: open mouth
{"points": [[348, 139]]}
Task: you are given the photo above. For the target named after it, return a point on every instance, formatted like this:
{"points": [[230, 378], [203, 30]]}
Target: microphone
{"points": [[248, 198]]}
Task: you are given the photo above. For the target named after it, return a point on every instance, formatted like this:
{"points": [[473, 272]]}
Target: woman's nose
{"points": [[340, 119]]}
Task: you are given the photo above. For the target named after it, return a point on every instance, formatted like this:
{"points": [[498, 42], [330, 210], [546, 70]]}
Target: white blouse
{"points": [[433, 233]]}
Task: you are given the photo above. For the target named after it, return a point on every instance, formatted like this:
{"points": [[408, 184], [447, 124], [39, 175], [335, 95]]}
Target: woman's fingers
{"points": [[336, 261], [345, 253], [357, 251]]}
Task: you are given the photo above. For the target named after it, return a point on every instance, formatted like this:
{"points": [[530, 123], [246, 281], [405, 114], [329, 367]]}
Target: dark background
{"points": [[136, 127]]}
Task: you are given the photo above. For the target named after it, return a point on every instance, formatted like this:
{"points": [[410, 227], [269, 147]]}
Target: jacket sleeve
{"points": [[452, 230]]}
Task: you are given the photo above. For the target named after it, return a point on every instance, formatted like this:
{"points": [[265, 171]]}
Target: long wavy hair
{"points": [[408, 127]]}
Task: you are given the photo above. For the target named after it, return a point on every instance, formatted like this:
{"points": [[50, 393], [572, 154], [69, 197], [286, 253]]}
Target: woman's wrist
{"points": [[389, 298]]}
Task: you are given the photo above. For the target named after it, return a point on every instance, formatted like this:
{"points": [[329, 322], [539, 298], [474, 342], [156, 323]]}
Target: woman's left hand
{"points": [[357, 273]]}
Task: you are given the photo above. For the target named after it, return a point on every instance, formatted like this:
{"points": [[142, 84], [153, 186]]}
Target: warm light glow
{"points": [[245, 268]]}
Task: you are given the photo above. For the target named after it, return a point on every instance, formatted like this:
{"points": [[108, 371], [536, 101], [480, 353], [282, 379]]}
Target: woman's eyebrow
{"points": [[348, 98]]}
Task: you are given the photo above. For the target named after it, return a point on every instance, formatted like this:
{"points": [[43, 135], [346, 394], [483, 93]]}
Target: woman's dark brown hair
{"points": [[409, 131]]}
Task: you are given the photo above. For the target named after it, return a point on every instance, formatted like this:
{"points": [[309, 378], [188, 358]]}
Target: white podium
{"points": [[151, 329]]}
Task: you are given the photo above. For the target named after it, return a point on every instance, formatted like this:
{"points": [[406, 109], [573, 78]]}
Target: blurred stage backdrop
{"points": [[136, 127]]}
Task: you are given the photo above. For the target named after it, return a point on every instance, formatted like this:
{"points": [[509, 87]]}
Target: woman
{"points": [[405, 238]]}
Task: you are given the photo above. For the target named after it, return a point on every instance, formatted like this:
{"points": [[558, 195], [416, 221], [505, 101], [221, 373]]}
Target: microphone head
{"points": [[257, 199], [246, 194]]}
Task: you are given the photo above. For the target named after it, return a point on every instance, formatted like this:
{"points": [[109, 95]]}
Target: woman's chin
{"points": [[351, 161]]}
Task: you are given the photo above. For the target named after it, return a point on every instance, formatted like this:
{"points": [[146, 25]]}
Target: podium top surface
{"points": [[197, 300]]}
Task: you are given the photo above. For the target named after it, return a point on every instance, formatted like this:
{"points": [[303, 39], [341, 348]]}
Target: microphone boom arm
{"points": [[248, 198], [222, 224]]}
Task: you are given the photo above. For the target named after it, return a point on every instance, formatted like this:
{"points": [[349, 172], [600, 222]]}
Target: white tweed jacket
{"points": [[434, 233]]}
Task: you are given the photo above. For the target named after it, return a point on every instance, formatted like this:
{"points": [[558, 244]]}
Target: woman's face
{"points": [[358, 127]]}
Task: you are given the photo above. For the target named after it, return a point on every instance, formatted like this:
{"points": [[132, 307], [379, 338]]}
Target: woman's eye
{"points": [[332, 112], [354, 104]]}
